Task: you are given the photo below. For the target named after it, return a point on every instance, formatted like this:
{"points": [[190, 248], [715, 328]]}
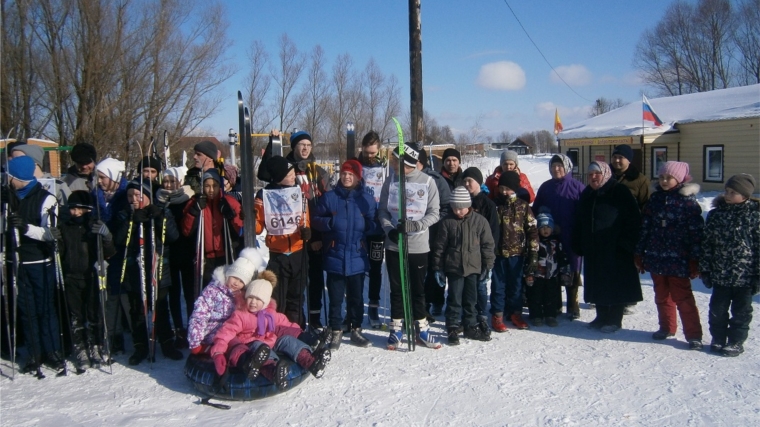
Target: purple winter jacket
{"points": [[214, 306], [561, 197]]}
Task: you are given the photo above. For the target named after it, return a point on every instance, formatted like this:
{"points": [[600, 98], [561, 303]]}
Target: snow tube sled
{"points": [[201, 372]]}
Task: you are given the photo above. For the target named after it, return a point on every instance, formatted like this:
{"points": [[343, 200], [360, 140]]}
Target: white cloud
{"points": [[502, 75], [574, 75]]}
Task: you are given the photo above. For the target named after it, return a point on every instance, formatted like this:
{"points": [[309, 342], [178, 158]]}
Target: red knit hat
{"points": [[352, 166]]}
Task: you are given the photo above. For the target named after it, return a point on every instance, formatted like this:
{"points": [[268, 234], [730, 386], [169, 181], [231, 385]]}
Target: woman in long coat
{"points": [[605, 233]]}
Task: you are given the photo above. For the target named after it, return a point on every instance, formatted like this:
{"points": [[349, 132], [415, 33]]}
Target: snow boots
{"points": [[277, 373], [81, 359], [98, 356], [453, 335], [358, 339], [497, 323], [732, 349], [483, 326], [337, 337], [255, 359], [518, 321], [661, 335], [397, 333], [180, 339], [170, 351], [423, 335], [140, 354], [475, 333], [314, 362]]}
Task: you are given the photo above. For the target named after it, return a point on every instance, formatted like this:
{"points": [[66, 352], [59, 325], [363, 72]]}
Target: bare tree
{"points": [[747, 39], [316, 97], [340, 104], [604, 105], [257, 85], [286, 78]]}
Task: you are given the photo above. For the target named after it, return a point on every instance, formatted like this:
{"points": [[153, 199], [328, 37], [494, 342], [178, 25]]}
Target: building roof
{"points": [[723, 104]]}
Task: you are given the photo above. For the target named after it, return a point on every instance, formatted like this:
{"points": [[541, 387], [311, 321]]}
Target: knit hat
{"points": [[678, 170], [561, 158], [545, 219], [423, 157], [79, 199], [742, 183], [145, 187], [508, 155], [352, 166], [451, 152], [262, 287], [625, 151], [34, 151], [298, 136], [602, 167], [511, 180], [242, 268], [231, 173], [253, 255], [211, 174], [460, 198], [278, 168], [21, 168], [474, 173], [83, 153], [207, 148], [411, 155], [150, 162], [178, 173], [111, 168]]}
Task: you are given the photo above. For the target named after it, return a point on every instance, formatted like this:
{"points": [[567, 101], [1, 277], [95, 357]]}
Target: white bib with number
{"points": [[283, 210], [416, 201], [373, 181]]}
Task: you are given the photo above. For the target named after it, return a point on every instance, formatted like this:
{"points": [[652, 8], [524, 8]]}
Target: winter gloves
{"points": [[99, 227], [226, 209], [706, 279], [406, 226], [147, 213], [393, 236], [18, 222], [305, 234]]}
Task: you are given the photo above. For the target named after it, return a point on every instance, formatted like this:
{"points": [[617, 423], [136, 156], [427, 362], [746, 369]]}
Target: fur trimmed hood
{"points": [[687, 189]]}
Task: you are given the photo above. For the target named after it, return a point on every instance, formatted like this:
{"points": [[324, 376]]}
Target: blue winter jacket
{"points": [[345, 217]]}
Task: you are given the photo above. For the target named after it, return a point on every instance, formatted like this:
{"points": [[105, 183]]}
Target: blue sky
{"points": [[478, 64]]}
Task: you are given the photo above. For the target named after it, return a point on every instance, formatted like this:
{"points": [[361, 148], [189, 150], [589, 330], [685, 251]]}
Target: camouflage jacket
{"points": [[519, 235]]}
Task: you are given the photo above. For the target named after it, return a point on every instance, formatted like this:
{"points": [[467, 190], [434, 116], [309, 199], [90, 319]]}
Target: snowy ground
{"points": [[563, 376]]}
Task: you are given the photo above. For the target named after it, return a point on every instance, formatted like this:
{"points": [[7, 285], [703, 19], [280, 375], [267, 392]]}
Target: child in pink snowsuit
{"points": [[254, 333]]}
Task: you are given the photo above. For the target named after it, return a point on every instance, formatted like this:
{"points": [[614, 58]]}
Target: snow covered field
{"points": [[563, 376]]}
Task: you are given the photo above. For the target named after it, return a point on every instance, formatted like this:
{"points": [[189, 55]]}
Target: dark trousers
{"points": [[461, 300], [376, 252], [163, 328], [610, 314], [316, 281], [736, 328], [84, 310], [417, 265], [36, 295], [434, 293], [291, 272], [506, 285], [543, 297], [183, 279], [352, 287]]}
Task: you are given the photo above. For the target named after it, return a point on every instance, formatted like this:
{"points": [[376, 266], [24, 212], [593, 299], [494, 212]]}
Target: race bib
{"points": [[283, 210], [416, 201], [373, 181]]}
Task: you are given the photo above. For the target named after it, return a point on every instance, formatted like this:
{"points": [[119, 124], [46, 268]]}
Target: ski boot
{"points": [[397, 333], [423, 335], [358, 339]]}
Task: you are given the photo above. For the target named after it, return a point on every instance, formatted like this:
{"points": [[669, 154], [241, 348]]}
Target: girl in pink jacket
{"points": [[251, 338]]}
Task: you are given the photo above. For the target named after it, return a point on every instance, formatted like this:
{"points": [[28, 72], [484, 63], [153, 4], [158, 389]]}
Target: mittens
{"points": [[220, 363]]}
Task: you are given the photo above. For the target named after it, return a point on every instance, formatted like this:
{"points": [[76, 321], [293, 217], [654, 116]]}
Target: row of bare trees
{"points": [[301, 90], [112, 73], [713, 44]]}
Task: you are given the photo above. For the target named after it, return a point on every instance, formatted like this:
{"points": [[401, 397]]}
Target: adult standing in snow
{"points": [[434, 293], [451, 169], [345, 215], [630, 176], [421, 212], [560, 195], [81, 173], [605, 233], [374, 173], [509, 162]]}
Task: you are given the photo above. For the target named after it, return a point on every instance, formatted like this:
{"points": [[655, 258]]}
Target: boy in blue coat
{"points": [[345, 216]]}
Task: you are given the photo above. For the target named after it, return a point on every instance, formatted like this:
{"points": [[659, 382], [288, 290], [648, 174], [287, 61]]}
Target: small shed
{"points": [[717, 133]]}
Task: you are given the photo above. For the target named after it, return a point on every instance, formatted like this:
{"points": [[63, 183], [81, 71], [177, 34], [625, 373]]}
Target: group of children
{"points": [[245, 322]]}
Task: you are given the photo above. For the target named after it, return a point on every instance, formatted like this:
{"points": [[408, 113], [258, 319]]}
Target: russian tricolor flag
{"points": [[649, 114]]}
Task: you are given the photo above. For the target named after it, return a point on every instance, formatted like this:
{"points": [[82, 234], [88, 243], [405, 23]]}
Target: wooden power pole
{"points": [[415, 70]]}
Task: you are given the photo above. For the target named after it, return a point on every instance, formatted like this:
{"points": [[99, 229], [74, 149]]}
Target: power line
{"points": [[542, 54]]}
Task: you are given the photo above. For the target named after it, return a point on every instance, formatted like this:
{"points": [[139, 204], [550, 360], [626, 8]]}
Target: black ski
{"points": [[246, 174]]}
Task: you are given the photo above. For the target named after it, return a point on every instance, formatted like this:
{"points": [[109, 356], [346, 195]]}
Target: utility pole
{"points": [[415, 71]]}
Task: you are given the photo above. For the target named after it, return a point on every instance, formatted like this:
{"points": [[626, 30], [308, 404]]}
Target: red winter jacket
{"points": [[492, 182], [213, 224], [242, 326]]}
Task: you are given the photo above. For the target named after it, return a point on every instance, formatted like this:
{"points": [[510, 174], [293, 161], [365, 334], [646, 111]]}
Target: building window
{"points": [[713, 161], [573, 155], [659, 156]]}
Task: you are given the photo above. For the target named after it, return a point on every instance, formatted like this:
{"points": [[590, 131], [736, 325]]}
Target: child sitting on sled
{"points": [[251, 338]]}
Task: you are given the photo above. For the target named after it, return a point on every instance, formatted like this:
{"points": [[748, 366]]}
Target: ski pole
{"points": [[63, 305], [103, 291]]}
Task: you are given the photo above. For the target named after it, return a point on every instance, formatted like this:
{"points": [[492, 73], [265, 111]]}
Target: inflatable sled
{"points": [[201, 372]]}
